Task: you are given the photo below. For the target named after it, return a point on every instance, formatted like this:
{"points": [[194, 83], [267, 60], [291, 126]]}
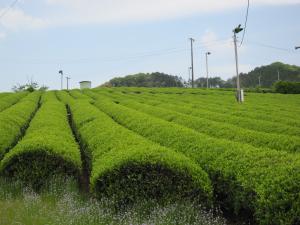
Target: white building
{"points": [[85, 84]]}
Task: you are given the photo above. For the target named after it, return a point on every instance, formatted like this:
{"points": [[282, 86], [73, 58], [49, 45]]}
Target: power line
{"points": [[246, 21], [271, 46], [147, 54], [8, 8]]}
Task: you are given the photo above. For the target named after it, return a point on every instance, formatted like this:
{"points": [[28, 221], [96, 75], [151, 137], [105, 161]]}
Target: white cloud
{"points": [[2, 35], [212, 42], [222, 50], [228, 70], [73, 12], [95, 11], [17, 19]]}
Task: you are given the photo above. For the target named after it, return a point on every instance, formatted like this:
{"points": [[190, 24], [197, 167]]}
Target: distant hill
{"points": [[269, 75], [145, 80]]}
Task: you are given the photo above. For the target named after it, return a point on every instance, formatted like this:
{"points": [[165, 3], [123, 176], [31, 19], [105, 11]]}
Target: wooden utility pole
{"points": [[206, 55], [239, 93], [192, 60]]}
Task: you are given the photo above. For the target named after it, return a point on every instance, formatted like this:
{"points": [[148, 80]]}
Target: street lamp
{"points": [[239, 91], [68, 78], [61, 78], [297, 47], [206, 55]]}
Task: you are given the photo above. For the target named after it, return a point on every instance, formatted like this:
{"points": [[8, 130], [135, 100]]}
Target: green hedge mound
{"points": [[47, 149], [261, 184], [11, 99], [215, 129], [14, 121], [128, 167]]}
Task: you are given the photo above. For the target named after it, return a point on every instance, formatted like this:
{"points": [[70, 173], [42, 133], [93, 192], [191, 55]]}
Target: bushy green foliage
{"points": [[128, 167], [14, 120], [164, 144], [261, 183], [77, 94], [215, 129], [256, 107], [146, 80], [48, 148], [8, 100], [285, 87], [242, 116], [269, 75], [4, 94]]}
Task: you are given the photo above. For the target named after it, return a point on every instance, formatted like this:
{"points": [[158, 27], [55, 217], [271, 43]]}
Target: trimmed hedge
{"points": [[47, 149], [282, 115], [279, 107], [260, 184], [14, 120], [194, 110], [215, 129], [127, 167], [10, 99], [4, 94], [77, 94]]}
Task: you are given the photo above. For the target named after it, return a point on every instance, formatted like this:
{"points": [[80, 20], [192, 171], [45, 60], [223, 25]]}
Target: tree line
{"points": [[264, 77]]}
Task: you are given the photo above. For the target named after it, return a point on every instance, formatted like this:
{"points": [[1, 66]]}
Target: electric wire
{"points": [[142, 55], [5, 11], [166, 51], [246, 22], [271, 46]]}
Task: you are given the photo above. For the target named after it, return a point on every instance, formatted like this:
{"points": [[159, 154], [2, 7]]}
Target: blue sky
{"points": [[99, 39]]}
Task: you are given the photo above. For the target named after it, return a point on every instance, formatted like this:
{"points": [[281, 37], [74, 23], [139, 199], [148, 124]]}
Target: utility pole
{"points": [[61, 78], [278, 75], [207, 54], [189, 71], [192, 60], [259, 78], [239, 92], [68, 78]]}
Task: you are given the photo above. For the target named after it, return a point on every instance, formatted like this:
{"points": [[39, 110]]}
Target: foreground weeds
{"points": [[62, 203]]}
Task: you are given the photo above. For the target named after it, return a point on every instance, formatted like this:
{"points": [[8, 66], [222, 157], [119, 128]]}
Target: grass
{"points": [[62, 203]]}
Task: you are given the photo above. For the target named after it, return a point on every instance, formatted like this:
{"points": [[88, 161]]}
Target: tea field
{"points": [[194, 156]]}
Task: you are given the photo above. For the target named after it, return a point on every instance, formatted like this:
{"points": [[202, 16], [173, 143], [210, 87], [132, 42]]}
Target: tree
{"points": [[146, 80], [269, 75], [285, 87], [29, 86], [213, 82]]}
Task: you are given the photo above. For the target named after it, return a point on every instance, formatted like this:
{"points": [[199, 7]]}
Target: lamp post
{"points": [[61, 78], [68, 78], [239, 92], [206, 56]]}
